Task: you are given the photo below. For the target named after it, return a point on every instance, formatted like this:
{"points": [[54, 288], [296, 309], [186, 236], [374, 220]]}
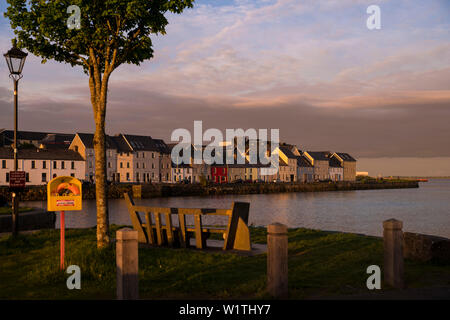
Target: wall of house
{"points": [[165, 169], [125, 167], [146, 165], [336, 174], [35, 175], [305, 174], [236, 174], [321, 169], [349, 171]]}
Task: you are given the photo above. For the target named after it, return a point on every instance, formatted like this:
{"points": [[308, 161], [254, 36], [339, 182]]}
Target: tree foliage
{"points": [[112, 32]]}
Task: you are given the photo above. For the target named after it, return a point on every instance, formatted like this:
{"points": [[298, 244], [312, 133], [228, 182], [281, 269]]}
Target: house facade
{"points": [[144, 158], [336, 171], [305, 170], [348, 164], [320, 161], [83, 143], [165, 161], [288, 173], [41, 165]]}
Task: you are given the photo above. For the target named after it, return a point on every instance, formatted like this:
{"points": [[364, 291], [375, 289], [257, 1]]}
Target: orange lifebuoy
{"points": [[68, 186]]}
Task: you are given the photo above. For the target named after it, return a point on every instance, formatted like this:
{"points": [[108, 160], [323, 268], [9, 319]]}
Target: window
{"points": [[54, 175], [44, 177], [109, 164], [76, 148], [27, 177], [44, 164], [143, 165], [128, 176], [62, 165], [54, 165], [137, 177], [7, 177], [33, 164], [137, 154], [143, 154], [121, 164], [153, 175], [3, 164], [72, 165], [137, 165], [128, 164], [72, 175], [153, 166], [153, 155], [90, 164]]}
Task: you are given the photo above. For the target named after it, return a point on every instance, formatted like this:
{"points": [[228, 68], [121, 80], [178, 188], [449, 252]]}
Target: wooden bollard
{"points": [[277, 260], [127, 264], [393, 253]]}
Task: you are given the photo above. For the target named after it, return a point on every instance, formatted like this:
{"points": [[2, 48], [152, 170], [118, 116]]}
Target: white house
{"points": [[41, 165]]}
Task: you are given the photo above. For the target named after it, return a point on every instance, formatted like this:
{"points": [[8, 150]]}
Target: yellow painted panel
{"points": [[64, 194]]}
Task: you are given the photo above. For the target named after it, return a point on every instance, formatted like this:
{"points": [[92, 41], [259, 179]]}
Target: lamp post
{"points": [[15, 59]]}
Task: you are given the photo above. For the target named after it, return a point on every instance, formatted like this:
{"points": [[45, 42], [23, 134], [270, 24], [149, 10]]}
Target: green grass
{"points": [[320, 264], [7, 210]]}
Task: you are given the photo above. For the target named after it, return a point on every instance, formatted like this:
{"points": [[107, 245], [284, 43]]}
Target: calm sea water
{"points": [[424, 210]]}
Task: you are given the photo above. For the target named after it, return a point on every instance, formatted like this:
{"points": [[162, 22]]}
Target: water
{"points": [[423, 210]]}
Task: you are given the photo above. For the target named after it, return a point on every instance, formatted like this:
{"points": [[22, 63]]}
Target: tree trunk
{"points": [[100, 184]]}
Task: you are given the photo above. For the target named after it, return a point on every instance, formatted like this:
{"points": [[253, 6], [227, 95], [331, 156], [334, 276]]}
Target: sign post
{"points": [[63, 194], [17, 181]]}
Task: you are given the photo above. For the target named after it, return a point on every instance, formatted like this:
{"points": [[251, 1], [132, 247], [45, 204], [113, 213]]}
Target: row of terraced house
{"points": [[143, 159]]}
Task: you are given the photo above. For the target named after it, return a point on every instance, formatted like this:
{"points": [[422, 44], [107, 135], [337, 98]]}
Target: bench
{"points": [[153, 231]]}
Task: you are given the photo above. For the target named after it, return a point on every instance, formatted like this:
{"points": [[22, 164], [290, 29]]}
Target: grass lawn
{"points": [[320, 264], [7, 210]]}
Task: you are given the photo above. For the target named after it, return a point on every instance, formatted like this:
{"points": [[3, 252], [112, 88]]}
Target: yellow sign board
{"points": [[64, 194]]}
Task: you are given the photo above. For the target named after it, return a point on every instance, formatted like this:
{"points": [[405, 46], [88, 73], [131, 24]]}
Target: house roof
{"points": [[319, 155], [141, 143], [121, 144], [88, 140], [162, 146], [303, 162], [346, 157], [41, 154], [25, 135], [286, 149], [335, 163], [58, 138]]}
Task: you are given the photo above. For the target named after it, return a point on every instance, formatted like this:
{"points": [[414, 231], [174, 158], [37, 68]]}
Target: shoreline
{"points": [[116, 191]]}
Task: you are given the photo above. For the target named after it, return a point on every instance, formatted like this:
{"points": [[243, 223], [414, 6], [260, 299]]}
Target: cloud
{"points": [[309, 68]]}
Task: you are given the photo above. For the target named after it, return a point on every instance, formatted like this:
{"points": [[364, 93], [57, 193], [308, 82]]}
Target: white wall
{"points": [[35, 175]]}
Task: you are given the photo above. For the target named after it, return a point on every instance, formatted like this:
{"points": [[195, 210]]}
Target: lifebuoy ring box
{"points": [[64, 194]]}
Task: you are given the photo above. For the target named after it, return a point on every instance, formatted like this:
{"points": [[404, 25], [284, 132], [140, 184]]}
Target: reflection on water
{"points": [[424, 210]]}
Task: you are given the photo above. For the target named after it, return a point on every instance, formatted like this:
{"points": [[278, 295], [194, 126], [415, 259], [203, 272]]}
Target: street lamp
{"points": [[15, 58]]}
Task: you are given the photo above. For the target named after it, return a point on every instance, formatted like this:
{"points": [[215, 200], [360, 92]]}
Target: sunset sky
{"points": [[310, 68]]}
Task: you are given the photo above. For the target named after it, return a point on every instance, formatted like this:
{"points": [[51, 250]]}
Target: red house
{"points": [[219, 174]]}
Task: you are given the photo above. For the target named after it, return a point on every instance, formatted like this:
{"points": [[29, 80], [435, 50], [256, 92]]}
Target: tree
{"points": [[111, 33]]}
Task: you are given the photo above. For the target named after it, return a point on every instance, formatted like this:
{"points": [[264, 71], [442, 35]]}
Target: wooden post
{"points": [[127, 264], [393, 253], [137, 191], [277, 260]]}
